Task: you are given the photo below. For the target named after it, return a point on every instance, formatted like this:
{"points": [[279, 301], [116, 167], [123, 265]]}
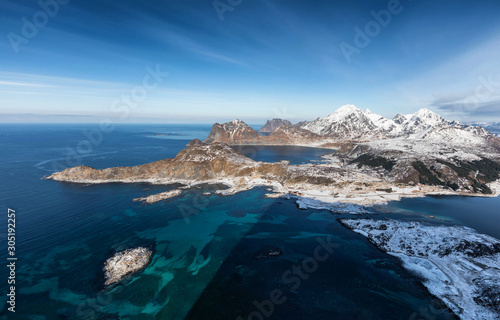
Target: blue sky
{"points": [[265, 59]]}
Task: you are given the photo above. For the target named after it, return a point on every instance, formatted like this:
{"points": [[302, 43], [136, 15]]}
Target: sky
{"points": [[205, 61]]}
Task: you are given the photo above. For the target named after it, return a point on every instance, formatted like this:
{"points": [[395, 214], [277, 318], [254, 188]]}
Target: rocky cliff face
{"points": [[272, 125]]}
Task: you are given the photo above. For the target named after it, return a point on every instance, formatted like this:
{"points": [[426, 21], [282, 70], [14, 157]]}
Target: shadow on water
{"points": [[356, 281]]}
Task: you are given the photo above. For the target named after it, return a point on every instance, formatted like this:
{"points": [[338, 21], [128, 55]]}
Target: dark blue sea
{"points": [[210, 252]]}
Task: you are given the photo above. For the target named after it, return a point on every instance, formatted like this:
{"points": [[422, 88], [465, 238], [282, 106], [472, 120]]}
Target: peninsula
{"points": [[377, 160]]}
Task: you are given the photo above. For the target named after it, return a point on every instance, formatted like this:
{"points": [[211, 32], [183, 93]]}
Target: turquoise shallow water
{"points": [[210, 252]]}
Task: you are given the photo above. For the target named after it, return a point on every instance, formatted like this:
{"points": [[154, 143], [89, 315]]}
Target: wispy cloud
{"points": [[15, 79], [21, 84]]}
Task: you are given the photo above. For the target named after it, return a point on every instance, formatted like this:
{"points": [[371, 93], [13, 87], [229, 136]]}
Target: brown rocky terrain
{"points": [[198, 162], [159, 197], [272, 125], [239, 133]]}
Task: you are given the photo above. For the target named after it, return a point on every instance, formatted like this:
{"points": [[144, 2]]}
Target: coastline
{"points": [[309, 196]]}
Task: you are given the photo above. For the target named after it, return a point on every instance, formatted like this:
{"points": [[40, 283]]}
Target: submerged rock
{"points": [[268, 253], [126, 263]]}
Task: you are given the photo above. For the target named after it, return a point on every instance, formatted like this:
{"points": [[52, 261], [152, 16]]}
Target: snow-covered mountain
{"points": [[351, 123], [424, 119]]}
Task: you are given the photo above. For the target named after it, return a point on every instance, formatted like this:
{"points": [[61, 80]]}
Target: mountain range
{"points": [[372, 153], [351, 124]]}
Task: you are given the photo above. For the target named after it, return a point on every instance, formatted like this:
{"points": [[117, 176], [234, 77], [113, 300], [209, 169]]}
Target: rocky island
{"points": [[159, 196], [126, 263]]}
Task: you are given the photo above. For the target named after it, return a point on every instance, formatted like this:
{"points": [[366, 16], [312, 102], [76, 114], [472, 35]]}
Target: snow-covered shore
{"points": [[457, 264]]}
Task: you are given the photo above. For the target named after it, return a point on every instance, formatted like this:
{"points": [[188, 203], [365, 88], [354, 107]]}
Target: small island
{"points": [[154, 198], [126, 263]]}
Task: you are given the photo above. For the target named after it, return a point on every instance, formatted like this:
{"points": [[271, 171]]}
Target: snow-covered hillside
{"points": [[457, 264]]}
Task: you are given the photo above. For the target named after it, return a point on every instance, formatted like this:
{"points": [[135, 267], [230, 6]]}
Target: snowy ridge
{"points": [[423, 119], [347, 122], [351, 123], [493, 127], [444, 142], [458, 265]]}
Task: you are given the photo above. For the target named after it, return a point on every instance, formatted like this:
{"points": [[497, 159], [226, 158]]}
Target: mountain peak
{"points": [[424, 112], [237, 121], [343, 111], [347, 108], [231, 132], [272, 125]]}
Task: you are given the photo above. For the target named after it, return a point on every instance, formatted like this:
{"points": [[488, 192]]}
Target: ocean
{"points": [[210, 252]]}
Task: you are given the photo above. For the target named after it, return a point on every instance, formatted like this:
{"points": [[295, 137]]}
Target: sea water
{"points": [[211, 253]]}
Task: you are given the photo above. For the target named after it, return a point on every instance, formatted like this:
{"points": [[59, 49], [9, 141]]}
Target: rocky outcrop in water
{"points": [[159, 197], [126, 263]]}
